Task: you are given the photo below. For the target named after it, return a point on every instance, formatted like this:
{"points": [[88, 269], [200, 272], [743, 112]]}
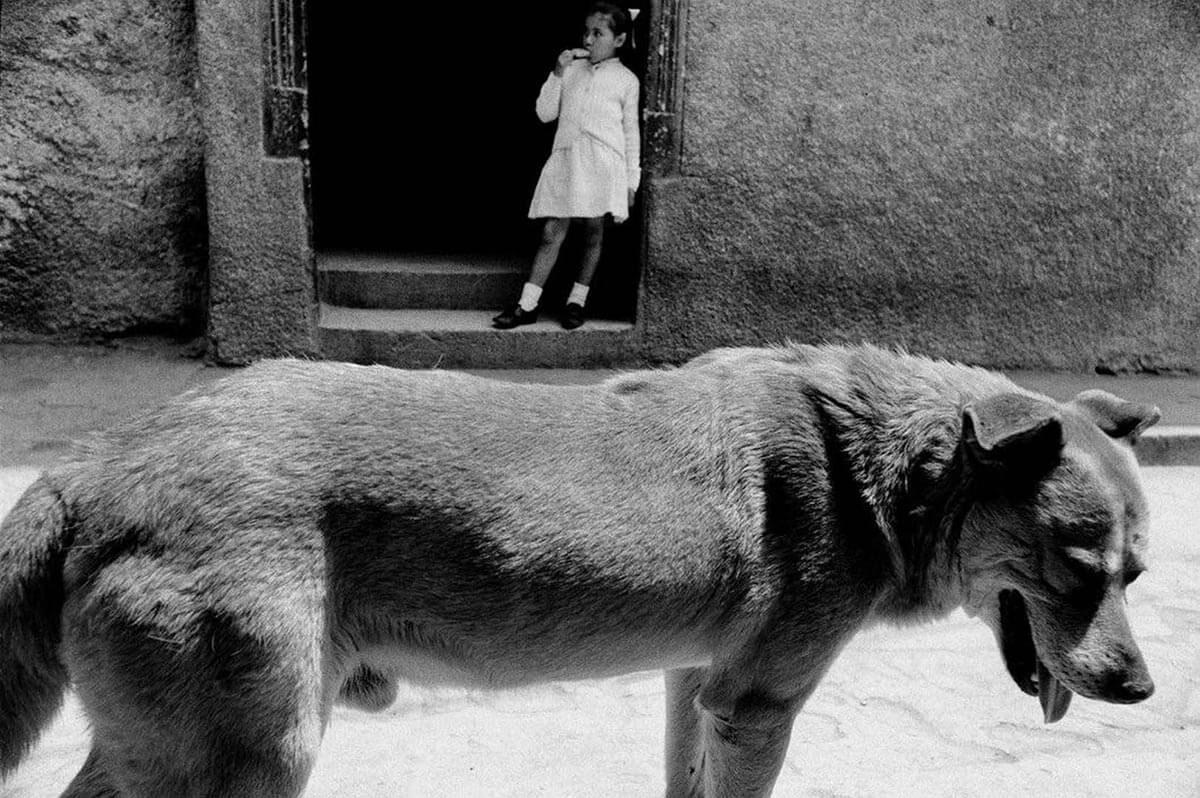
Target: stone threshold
{"points": [[423, 338]]}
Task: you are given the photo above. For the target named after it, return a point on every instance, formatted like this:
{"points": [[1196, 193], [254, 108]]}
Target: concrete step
{"points": [[441, 282], [465, 339]]}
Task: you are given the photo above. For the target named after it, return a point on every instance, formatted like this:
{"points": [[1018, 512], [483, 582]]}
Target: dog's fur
{"points": [[214, 576]]}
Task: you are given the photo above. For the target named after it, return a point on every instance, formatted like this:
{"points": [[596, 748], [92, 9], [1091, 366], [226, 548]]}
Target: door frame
{"points": [[263, 299]]}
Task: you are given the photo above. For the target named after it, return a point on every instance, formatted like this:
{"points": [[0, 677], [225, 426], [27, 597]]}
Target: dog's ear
{"points": [[1012, 430], [1117, 417]]}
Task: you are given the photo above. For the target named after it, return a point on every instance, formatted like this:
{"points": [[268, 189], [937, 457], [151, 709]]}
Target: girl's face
{"points": [[598, 38]]}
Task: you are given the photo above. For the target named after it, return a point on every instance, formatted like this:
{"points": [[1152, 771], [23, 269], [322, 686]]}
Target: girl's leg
{"points": [[593, 241], [554, 231], [553, 234]]}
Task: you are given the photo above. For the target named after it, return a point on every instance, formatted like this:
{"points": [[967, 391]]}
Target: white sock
{"points": [[530, 295], [578, 295]]}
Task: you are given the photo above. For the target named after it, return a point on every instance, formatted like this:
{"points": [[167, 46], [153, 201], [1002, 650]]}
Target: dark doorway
{"points": [[423, 136]]}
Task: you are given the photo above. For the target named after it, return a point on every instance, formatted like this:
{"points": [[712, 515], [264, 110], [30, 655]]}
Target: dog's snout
{"points": [[1133, 683], [1131, 689]]}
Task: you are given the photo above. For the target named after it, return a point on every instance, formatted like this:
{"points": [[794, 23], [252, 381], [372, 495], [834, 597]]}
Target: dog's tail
{"points": [[33, 542]]}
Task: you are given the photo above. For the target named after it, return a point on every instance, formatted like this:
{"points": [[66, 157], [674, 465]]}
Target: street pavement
{"points": [[926, 711]]}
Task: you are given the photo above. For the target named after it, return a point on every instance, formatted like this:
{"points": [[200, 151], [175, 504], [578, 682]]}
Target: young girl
{"points": [[593, 167]]}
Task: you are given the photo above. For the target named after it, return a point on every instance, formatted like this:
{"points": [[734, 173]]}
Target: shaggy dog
{"points": [[213, 576]]}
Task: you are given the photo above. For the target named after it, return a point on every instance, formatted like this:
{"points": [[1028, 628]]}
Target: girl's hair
{"points": [[619, 20]]}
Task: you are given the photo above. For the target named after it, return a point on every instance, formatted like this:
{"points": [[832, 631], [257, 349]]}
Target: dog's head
{"points": [[1055, 531]]}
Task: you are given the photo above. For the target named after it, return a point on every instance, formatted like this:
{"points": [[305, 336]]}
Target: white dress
{"points": [[596, 153]]}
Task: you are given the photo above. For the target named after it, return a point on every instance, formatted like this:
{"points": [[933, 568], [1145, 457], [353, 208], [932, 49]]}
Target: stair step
{"points": [[422, 338], [454, 282]]}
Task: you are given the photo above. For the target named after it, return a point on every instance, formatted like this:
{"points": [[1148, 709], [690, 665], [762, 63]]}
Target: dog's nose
{"points": [[1132, 689]]}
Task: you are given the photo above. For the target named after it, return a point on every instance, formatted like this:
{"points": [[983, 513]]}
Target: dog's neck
{"points": [[894, 425], [899, 473], [928, 526]]}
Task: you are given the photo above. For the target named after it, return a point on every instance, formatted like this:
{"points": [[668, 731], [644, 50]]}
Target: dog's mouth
{"points": [[1021, 658]]}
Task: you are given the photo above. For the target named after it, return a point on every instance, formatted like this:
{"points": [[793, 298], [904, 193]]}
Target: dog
{"points": [[212, 577]]}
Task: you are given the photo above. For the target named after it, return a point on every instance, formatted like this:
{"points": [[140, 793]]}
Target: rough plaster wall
{"points": [[1011, 183], [102, 226]]}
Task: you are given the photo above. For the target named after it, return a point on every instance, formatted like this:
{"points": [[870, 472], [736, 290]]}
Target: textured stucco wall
{"points": [[102, 226], [1010, 183]]}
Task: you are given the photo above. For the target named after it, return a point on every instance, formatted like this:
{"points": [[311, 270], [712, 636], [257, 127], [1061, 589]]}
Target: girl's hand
{"points": [[632, 193], [564, 58]]}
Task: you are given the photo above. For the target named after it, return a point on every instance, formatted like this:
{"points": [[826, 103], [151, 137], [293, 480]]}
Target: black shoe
{"points": [[514, 317], [572, 316]]}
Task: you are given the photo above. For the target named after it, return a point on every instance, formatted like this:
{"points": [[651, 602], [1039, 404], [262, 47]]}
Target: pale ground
{"points": [[927, 711]]}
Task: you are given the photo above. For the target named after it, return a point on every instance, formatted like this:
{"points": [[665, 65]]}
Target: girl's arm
{"points": [[548, 98], [551, 93], [633, 138]]}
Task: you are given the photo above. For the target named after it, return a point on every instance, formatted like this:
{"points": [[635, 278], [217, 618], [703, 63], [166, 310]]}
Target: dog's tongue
{"points": [[1054, 697]]}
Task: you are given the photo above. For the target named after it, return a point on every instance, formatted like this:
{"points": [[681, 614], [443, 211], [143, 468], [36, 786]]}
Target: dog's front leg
{"points": [[685, 768], [92, 781], [736, 751]]}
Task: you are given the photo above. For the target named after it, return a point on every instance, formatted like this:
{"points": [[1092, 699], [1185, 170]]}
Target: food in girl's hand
{"points": [[579, 52]]}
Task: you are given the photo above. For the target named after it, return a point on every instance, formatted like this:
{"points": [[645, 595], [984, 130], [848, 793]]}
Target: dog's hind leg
{"points": [[200, 697], [204, 734], [735, 753]]}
